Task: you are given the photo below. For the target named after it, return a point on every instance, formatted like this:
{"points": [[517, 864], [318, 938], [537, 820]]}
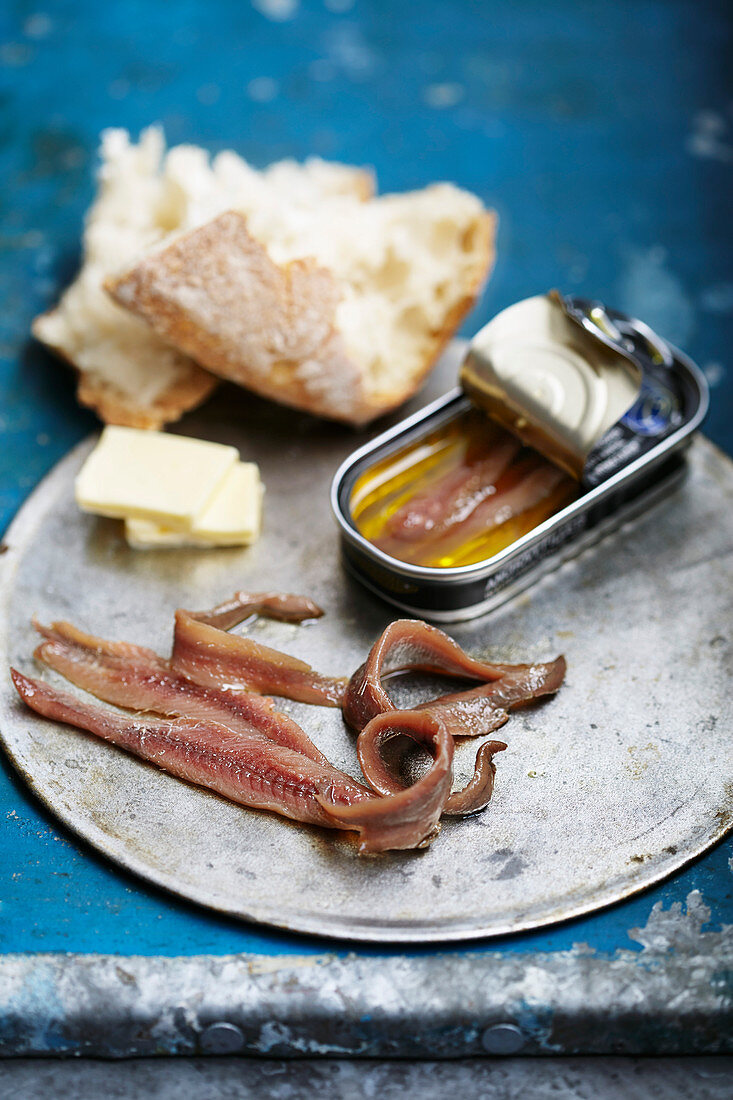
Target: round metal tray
{"points": [[615, 783]]}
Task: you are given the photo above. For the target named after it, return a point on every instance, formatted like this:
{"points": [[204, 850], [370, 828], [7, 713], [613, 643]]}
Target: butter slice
{"points": [[144, 534], [139, 474], [233, 517], [234, 513]]}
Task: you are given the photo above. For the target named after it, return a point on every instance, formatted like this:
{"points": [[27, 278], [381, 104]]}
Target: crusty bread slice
{"points": [[216, 294], [341, 312], [126, 372]]}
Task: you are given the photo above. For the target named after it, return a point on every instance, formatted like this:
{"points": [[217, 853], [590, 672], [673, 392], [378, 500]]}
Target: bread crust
{"points": [[216, 294], [190, 390], [188, 393], [363, 183]]}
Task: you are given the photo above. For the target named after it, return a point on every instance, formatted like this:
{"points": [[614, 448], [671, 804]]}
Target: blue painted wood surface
{"points": [[602, 134]]}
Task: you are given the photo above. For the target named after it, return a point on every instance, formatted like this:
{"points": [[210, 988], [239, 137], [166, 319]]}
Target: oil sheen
{"points": [[457, 495]]}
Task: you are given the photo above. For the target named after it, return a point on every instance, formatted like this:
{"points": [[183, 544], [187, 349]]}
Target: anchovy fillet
{"points": [[483, 709], [249, 770], [452, 498], [213, 658], [144, 686], [283, 606], [410, 644], [408, 817], [217, 727]]}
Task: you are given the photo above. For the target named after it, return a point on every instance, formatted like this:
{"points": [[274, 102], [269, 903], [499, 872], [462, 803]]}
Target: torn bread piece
{"points": [[217, 294], [233, 517], [125, 372], [341, 314]]}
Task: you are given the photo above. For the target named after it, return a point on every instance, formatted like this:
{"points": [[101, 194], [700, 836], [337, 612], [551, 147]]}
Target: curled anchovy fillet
{"points": [[248, 769], [410, 644], [270, 605], [148, 686], [407, 817], [478, 711], [475, 796], [213, 658]]}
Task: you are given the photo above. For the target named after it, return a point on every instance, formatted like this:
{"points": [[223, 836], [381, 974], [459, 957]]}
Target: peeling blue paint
{"points": [[436, 1006]]}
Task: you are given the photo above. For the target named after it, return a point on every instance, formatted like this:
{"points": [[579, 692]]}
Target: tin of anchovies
{"points": [[640, 458]]}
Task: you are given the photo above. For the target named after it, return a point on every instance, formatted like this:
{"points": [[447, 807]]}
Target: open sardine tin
{"points": [[600, 411]]}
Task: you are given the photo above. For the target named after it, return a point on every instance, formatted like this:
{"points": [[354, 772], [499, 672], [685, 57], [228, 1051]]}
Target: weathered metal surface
{"points": [[708, 1077], [618, 781], [674, 995]]}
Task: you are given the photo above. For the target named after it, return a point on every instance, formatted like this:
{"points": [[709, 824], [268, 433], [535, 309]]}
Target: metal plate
{"points": [[621, 779]]}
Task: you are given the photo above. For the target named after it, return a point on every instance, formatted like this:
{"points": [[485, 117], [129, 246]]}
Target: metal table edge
{"points": [[673, 996]]}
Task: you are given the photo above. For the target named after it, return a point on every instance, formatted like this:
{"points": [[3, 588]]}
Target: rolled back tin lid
{"points": [[558, 373]]}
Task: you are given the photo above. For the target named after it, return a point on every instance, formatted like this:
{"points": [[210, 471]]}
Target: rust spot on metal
{"points": [[125, 977], [724, 816]]}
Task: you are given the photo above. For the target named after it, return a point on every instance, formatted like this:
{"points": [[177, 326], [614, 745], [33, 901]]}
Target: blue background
{"points": [[602, 133]]}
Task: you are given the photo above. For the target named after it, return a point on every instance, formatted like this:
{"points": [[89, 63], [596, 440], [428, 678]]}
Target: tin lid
{"points": [[555, 375]]}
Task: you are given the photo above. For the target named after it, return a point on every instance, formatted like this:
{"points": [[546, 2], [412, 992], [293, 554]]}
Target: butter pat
{"points": [[234, 514], [140, 474], [143, 534], [233, 517]]}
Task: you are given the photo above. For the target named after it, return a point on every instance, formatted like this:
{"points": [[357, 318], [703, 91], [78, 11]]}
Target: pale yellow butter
{"points": [[141, 474], [234, 513], [144, 534], [233, 517]]}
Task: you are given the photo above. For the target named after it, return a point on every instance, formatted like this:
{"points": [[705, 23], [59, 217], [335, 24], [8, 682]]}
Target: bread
{"points": [[127, 373], [216, 294], [341, 312], [292, 281]]}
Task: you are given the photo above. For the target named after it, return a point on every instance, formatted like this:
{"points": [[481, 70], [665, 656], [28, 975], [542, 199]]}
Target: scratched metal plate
{"points": [[621, 779]]}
